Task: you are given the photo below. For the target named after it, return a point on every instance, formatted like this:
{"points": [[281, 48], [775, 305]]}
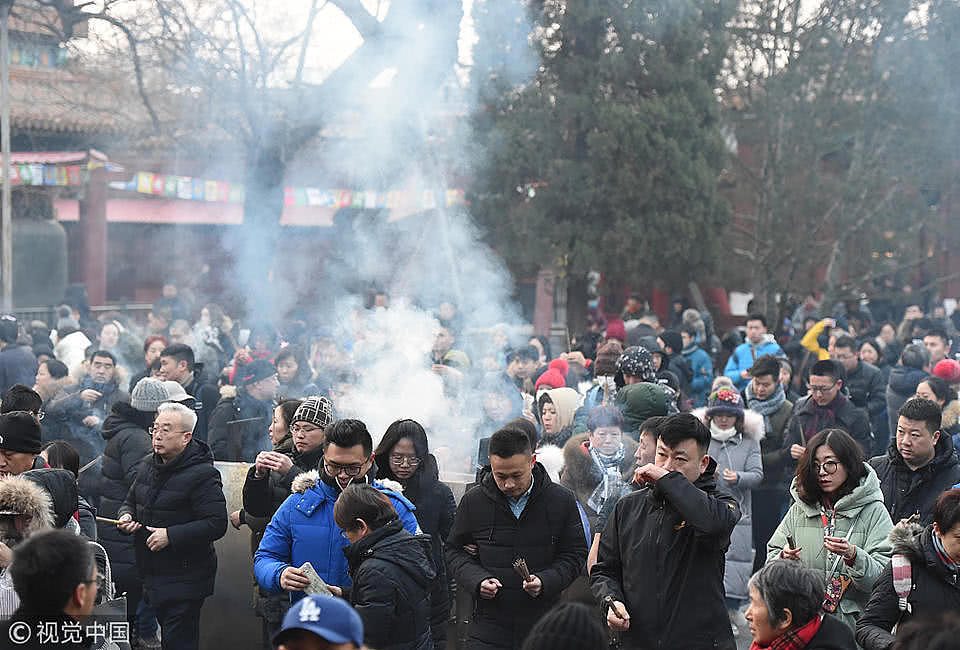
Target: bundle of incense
{"points": [[520, 565]]}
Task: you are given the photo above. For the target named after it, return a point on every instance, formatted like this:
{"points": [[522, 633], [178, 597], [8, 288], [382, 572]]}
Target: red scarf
{"points": [[792, 639]]}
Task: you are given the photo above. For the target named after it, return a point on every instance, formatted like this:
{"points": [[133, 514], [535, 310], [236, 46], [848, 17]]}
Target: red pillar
{"points": [[92, 232]]}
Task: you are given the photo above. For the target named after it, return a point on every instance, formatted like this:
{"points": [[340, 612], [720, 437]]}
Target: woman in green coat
{"points": [[837, 523]]}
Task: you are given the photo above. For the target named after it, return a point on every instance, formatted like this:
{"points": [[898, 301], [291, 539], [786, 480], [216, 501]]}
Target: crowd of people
{"points": [[647, 487]]}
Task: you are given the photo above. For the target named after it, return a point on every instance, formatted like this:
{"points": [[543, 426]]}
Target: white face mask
{"points": [[722, 434]]}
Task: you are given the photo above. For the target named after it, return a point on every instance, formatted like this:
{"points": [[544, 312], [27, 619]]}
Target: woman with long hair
{"points": [[837, 523], [403, 455]]}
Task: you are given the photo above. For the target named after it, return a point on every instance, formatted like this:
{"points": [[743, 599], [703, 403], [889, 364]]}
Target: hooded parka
{"points": [[128, 443], [548, 535], [862, 512], [392, 571], [740, 454], [934, 589], [662, 556]]}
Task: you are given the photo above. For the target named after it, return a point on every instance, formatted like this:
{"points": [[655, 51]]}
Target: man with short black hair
{"points": [[177, 364], [18, 365], [759, 342], [865, 384], [913, 368], [238, 425], [765, 395], [515, 511], [303, 528], [660, 564], [826, 407], [21, 398], [938, 345], [920, 464], [84, 407], [701, 366], [55, 576]]}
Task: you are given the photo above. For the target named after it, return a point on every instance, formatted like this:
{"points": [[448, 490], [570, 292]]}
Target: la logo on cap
{"points": [[310, 612]]}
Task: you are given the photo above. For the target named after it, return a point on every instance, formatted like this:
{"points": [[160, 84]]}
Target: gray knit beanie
{"points": [[316, 409], [148, 395]]}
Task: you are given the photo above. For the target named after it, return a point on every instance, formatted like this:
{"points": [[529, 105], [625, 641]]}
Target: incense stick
{"points": [[520, 566]]}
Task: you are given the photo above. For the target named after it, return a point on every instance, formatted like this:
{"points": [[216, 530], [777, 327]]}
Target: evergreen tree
{"points": [[607, 156]]}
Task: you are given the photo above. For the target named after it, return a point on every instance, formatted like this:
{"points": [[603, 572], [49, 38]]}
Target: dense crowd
{"points": [[647, 487]]}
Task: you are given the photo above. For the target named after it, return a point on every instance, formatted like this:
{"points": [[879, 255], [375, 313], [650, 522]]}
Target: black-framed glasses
{"points": [[400, 460], [164, 430], [335, 469], [829, 467], [820, 389], [296, 428]]}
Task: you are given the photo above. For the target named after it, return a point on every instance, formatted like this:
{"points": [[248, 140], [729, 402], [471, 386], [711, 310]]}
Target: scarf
{"points": [[766, 407], [824, 417], [793, 639], [612, 482], [721, 435], [948, 562]]}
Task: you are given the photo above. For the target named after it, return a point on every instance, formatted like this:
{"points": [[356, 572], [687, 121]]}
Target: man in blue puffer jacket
{"points": [[303, 529], [758, 343]]}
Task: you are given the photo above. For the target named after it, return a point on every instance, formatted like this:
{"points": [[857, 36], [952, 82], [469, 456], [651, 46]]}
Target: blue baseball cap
{"points": [[329, 617]]}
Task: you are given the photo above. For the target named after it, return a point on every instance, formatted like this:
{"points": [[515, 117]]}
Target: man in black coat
{"points": [[177, 364], [177, 509], [824, 408], [17, 363], [515, 512], [930, 552], [238, 424], [390, 569], [920, 464], [661, 556], [865, 383]]}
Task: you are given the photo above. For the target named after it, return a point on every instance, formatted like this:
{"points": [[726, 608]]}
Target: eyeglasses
{"points": [[164, 430], [296, 428], [335, 469], [400, 460], [829, 467], [820, 389]]}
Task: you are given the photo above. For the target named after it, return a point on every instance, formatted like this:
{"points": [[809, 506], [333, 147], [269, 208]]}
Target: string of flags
{"points": [[63, 175], [196, 189]]}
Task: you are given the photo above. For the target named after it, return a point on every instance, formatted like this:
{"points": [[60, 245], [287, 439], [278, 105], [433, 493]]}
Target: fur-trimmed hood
{"points": [[307, 480], [951, 415], [905, 538], [551, 457], [22, 496], [752, 423], [581, 474]]}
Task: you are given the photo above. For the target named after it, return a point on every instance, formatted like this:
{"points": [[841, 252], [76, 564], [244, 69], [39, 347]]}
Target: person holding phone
{"points": [[837, 523]]}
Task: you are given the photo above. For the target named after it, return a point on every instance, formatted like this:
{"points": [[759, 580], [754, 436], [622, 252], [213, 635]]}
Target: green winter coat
{"points": [[864, 510]]}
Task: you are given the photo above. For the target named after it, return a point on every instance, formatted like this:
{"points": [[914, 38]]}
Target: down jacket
{"points": [[862, 511], [391, 572], [127, 445], [907, 492], [303, 530], [740, 454], [185, 496], [548, 535], [934, 590], [662, 556]]}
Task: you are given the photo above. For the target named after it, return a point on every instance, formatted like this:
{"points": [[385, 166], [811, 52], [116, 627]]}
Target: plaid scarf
{"points": [[611, 481], [793, 639]]}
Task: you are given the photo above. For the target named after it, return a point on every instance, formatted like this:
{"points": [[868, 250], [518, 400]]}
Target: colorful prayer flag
{"points": [[158, 184], [61, 175], [170, 186], [289, 196], [210, 190], [184, 187], [73, 175], [197, 189], [144, 183]]}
